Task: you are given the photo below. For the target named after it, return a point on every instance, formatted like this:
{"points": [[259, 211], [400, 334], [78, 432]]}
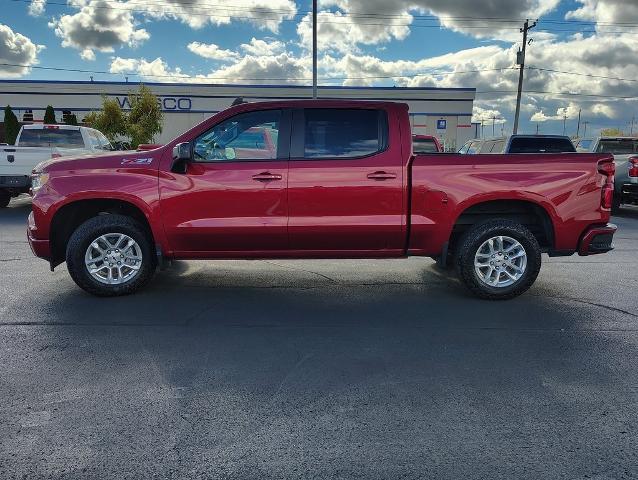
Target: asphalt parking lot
{"points": [[319, 369]]}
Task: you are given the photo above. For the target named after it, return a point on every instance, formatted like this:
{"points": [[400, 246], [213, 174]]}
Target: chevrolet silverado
{"points": [[339, 180]]}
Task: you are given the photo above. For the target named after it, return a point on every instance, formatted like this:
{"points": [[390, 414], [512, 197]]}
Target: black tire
{"points": [[615, 204], [86, 233], [472, 240], [4, 200]]}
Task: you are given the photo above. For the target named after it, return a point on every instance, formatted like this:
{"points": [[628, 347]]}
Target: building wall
{"points": [[185, 105]]}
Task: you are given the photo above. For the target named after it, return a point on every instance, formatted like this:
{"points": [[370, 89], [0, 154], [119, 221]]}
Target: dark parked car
{"points": [[520, 144]]}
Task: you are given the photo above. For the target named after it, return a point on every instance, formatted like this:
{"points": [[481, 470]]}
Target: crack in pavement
{"points": [[302, 270]]}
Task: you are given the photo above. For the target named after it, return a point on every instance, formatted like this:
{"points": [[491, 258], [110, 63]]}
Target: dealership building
{"points": [[444, 112]]}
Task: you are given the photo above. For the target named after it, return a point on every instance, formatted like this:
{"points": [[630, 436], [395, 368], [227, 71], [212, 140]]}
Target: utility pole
{"points": [[520, 60], [585, 123], [314, 48], [631, 131], [564, 122], [578, 127], [494, 118]]}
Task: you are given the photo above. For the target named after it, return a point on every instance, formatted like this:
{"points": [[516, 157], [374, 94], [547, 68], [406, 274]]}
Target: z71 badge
{"points": [[137, 161]]}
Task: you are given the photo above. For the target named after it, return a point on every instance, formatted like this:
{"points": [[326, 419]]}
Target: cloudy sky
{"points": [[583, 54]]}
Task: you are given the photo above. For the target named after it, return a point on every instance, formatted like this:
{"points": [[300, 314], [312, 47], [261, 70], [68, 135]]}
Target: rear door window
{"points": [[541, 145], [51, 137], [344, 133]]}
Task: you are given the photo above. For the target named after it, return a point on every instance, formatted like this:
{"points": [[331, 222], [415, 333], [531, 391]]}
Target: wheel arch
{"points": [[537, 216], [68, 217]]}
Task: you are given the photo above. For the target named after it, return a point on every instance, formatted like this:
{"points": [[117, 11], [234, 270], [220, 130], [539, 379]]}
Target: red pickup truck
{"points": [[339, 181]]}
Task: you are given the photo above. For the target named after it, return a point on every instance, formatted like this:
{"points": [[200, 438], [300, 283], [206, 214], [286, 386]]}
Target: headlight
{"points": [[38, 180]]}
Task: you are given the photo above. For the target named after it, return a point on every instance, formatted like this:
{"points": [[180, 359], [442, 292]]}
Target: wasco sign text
{"points": [[165, 103]]}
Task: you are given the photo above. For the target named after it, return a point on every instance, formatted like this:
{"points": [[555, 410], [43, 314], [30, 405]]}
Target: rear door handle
{"points": [[267, 177], [381, 176]]}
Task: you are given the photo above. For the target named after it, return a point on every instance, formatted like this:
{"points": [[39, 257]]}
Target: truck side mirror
{"points": [[182, 154]]}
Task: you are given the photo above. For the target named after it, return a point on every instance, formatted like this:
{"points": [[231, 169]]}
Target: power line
{"points": [[226, 6], [590, 75], [184, 76]]}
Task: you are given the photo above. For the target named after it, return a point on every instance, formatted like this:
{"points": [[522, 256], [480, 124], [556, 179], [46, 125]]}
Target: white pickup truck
{"points": [[37, 143]]}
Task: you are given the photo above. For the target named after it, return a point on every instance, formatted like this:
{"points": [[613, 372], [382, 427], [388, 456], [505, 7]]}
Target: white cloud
{"points": [[99, 25], [487, 116], [393, 19], [605, 11], [16, 49], [212, 51], [155, 70], [282, 68], [87, 54], [339, 32], [571, 111], [264, 14], [36, 7], [262, 47]]}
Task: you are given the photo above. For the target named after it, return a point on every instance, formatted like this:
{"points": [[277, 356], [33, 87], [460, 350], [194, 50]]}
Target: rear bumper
{"points": [[597, 239], [15, 184], [39, 247]]}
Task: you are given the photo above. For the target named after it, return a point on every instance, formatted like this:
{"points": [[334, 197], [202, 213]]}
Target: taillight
{"points": [[607, 168], [633, 166]]}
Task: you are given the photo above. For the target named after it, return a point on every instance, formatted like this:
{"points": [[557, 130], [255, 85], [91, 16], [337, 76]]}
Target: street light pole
{"points": [[521, 61], [314, 48]]}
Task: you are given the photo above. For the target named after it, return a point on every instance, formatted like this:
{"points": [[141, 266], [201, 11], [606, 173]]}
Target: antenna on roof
{"points": [[238, 101]]}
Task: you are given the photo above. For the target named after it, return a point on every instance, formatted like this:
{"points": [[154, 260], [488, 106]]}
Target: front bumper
{"points": [[597, 240], [40, 247]]}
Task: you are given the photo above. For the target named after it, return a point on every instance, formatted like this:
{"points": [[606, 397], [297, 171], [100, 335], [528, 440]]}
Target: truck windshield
{"points": [[541, 145], [618, 146], [61, 138], [424, 146]]}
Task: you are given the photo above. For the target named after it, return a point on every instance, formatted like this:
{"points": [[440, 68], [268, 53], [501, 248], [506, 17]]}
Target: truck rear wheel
{"points": [[498, 259], [4, 200], [110, 255]]}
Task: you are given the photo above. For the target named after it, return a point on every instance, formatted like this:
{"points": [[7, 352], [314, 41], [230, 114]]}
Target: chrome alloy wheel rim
{"points": [[500, 261], [113, 258]]}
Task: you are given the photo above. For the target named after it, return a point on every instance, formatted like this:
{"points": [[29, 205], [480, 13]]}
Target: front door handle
{"points": [[381, 175], [267, 177]]}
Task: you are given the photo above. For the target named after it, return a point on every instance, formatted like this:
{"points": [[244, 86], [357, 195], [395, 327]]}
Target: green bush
{"points": [[49, 116]]}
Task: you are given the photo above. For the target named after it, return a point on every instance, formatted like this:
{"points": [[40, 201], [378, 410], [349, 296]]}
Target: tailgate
{"points": [[21, 160]]}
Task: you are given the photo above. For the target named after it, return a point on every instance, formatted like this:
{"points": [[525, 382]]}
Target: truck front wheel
{"points": [[498, 259], [110, 255]]}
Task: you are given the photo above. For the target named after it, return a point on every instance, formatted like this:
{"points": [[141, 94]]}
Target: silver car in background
{"points": [[625, 152]]}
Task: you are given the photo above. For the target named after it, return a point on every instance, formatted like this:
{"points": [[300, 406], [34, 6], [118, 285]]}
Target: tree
{"points": [[145, 117], [11, 126], [611, 132], [49, 116], [111, 120], [72, 119]]}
